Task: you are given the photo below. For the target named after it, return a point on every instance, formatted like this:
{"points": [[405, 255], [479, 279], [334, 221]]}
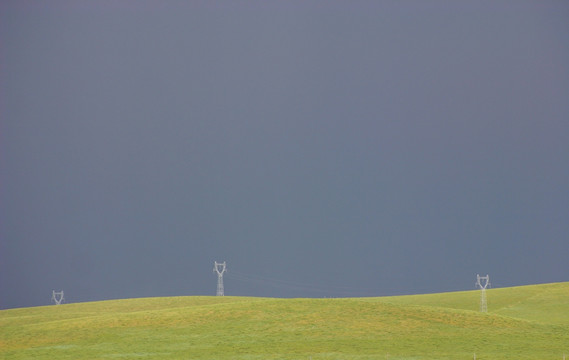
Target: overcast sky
{"points": [[320, 148]]}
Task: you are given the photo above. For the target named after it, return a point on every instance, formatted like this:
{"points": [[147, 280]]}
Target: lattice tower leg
{"points": [[220, 285], [483, 302]]}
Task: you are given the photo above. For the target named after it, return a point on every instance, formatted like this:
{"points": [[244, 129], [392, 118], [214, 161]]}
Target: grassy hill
{"points": [[529, 322]]}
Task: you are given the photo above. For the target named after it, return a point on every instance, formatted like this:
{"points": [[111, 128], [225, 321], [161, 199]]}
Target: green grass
{"points": [[529, 322]]}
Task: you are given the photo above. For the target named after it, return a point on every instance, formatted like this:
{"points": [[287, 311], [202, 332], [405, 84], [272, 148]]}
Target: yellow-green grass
{"points": [[529, 322]]}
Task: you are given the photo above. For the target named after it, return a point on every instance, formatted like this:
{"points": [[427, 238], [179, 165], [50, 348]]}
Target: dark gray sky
{"points": [[321, 148]]}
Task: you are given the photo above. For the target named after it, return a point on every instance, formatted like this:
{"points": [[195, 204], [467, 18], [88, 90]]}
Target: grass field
{"points": [[529, 322]]}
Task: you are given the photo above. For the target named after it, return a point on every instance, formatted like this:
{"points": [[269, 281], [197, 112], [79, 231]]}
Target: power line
{"points": [[295, 285]]}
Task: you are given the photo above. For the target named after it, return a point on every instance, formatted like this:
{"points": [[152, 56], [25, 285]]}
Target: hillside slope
{"points": [[530, 322]]}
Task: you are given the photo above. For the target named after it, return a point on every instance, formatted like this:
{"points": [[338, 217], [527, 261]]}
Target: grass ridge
{"points": [[528, 322]]}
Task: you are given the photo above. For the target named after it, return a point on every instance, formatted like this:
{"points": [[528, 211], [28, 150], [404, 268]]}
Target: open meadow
{"points": [[528, 322]]}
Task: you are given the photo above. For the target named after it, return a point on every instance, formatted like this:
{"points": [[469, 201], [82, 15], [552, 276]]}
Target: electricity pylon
{"points": [[220, 269], [483, 303], [57, 297]]}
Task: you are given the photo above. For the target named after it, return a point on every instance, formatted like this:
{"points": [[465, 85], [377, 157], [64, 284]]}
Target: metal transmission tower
{"points": [[57, 297], [220, 269], [483, 303]]}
